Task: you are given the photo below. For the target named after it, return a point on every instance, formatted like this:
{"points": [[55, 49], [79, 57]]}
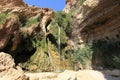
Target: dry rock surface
{"points": [[21, 12], [8, 70], [97, 19], [79, 75]]}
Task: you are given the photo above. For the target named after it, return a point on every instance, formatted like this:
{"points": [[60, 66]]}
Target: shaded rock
{"points": [[97, 19], [8, 70], [9, 28], [115, 72]]}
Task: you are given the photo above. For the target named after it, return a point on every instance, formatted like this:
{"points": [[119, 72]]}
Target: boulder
{"points": [[8, 70], [114, 72]]}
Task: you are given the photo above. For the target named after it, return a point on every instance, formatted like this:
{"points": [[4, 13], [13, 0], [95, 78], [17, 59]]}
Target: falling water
{"points": [[51, 60], [59, 46], [50, 57]]}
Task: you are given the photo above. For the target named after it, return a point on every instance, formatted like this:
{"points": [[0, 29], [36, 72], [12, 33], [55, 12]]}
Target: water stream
{"points": [[50, 57], [51, 60], [59, 51]]}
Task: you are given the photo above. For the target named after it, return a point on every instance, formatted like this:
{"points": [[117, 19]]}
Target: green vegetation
{"points": [[39, 61], [109, 51], [63, 21], [83, 55], [104, 51], [31, 42], [31, 21], [81, 2], [27, 47], [3, 17]]}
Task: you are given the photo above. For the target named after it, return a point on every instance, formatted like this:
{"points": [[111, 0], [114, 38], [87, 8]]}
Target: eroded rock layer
{"points": [[21, 26], [12, 24], [98, 19]]}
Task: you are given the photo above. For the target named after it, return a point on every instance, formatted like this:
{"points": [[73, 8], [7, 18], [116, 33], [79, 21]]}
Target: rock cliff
{"points": [[30, 34], [18, 14], [22, 26], [96, 22], [97, 19], [12, 3]]}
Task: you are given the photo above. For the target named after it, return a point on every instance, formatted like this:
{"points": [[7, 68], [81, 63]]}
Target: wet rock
{"points": [[115, 72]]}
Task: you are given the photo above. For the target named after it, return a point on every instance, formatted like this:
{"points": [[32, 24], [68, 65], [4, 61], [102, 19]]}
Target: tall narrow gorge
{"points": [[85, 35]]}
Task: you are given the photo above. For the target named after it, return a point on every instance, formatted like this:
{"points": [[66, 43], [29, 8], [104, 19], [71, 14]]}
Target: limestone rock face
{"points": [[24, 11], [96, 19], [10, 28], [8, 70], [69, 5], [12, 3], [19, 26], [6, 61]]}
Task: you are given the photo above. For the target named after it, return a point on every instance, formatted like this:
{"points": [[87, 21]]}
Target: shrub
{"points": [[32, 21], [3, 17], [83, 55], [109, 51], [63, 21], [81, 2]]}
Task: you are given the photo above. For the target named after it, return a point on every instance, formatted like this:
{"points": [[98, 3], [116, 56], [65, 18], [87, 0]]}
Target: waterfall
{"points": [[50, 57], [59, 51], [51, 60]]}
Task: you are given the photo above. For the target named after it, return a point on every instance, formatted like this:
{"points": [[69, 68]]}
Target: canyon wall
{"points": [[30, 34], [97, 22], [98, 19]]}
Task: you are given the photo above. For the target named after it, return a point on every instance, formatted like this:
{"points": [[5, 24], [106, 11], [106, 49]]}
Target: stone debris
{"points": [[8, 70], [73, 75]]}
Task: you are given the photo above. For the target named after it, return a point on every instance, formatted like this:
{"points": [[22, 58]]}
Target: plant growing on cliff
{"points": [[3, 17], [83, 55], [109, 52], [32, 21], [63, 21], [81, 2]]}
